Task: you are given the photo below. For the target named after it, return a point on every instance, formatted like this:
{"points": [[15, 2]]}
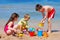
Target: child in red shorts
{"points": [[48, 12]]}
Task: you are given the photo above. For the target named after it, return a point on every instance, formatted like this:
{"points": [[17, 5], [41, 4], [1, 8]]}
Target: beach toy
{"points": [[20, 34], [32, 34], [40, 33], [45, 34], [25, 31], [41, 24], [23, 27], [31, 29]]}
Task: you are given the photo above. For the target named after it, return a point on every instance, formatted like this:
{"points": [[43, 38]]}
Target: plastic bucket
{"points": [[40, 33], [32, 33]]}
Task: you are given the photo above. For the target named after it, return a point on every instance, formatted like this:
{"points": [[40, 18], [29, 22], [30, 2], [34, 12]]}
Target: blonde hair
{"points": [[26, 16]]}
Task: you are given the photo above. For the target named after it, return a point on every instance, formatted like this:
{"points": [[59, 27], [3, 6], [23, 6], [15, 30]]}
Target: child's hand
{"points": [[14, 30], [42, 22], [21, 32]]}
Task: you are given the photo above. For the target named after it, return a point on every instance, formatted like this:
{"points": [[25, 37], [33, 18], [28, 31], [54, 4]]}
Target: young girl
{"points": [[9, 25], [48, 12]]}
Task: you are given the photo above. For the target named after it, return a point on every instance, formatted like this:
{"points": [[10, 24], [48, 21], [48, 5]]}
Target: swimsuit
{"points": [[6, 28]]}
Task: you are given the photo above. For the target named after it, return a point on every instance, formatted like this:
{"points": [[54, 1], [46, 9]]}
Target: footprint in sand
{"points": [[0, 36]]}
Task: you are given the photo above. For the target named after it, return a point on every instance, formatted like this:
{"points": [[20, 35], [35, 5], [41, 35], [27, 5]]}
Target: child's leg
{"points": [[16, 27], [9, 32], [51, 15], [49, 25]]}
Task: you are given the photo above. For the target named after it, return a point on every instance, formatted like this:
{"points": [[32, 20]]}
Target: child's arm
{"points": [[20, 25], [43, 14], [48, 10], [44, 17]]}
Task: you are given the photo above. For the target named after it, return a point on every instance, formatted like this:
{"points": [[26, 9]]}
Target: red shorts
{"points": [[51, 14]]}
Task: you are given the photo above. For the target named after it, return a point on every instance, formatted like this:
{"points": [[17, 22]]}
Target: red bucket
{"points": [[32, 33]]}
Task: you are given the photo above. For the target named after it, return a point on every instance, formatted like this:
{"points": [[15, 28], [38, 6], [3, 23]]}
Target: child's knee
{"points": [[9, 32], [49, 21]]}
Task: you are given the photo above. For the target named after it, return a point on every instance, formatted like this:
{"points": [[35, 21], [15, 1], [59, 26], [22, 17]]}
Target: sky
{"points": [[17, 1], [22, 1]]}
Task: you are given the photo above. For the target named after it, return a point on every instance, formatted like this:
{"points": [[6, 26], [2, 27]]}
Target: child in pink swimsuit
{"points": [[48, 13], [6, 28], [9, 27]]}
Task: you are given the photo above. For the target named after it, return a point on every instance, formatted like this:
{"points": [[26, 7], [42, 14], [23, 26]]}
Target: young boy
{"points": [[23, 23], [48, 12]]}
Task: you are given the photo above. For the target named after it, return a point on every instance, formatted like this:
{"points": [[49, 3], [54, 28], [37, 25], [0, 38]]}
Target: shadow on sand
{"points": [[55, 30]]}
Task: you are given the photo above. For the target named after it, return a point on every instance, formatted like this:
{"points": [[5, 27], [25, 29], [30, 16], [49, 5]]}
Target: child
{"points": [[48, 12], [23, 23], [9, 25]]}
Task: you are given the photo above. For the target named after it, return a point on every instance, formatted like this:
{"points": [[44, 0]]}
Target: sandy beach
{"points": [[22, 7], [55, 35]]}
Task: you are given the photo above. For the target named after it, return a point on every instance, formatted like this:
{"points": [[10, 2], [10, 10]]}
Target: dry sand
{"points": [[52, 36]]}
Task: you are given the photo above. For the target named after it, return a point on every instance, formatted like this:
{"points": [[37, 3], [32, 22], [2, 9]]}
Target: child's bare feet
{"points": [[49, 32]]}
